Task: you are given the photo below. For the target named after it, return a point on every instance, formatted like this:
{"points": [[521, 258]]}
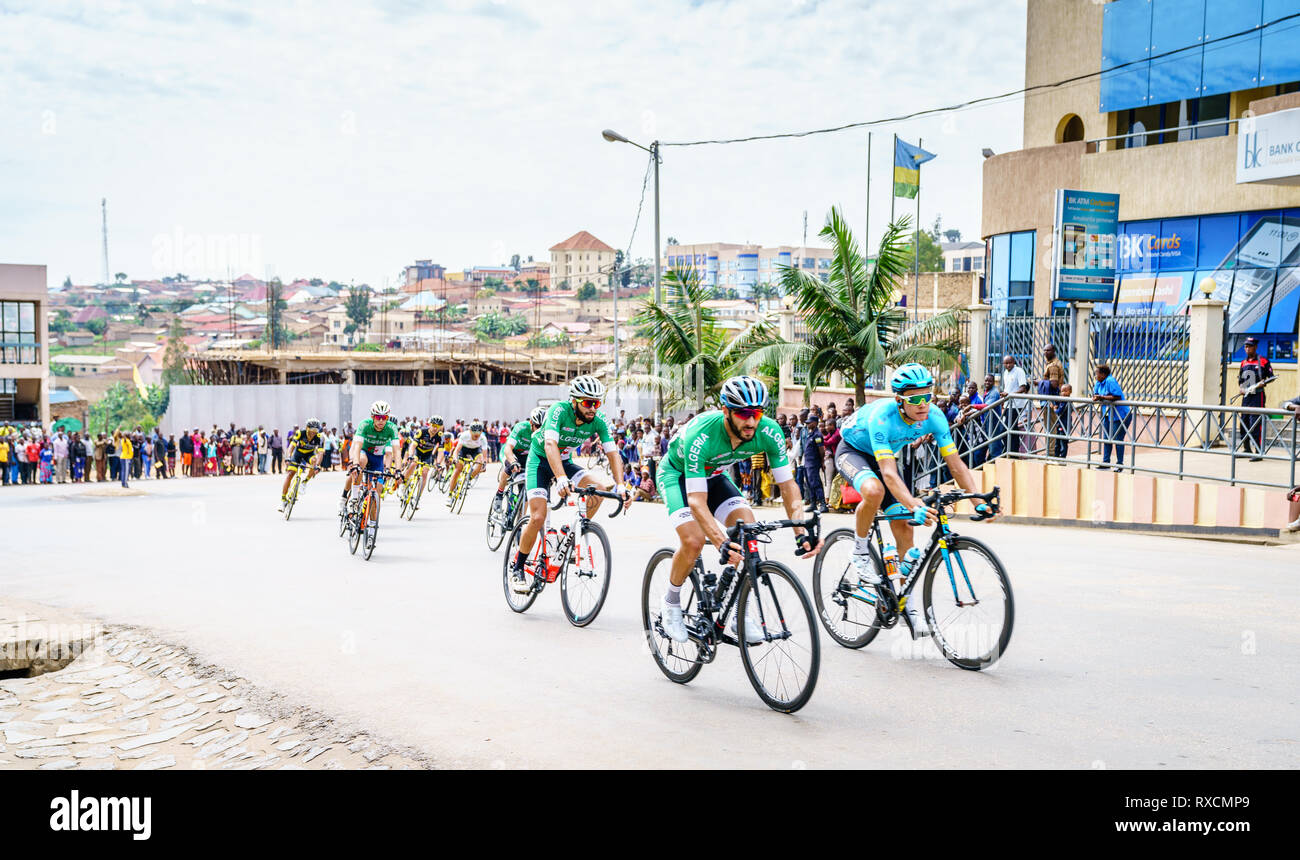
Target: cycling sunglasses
{"points": [[746, 414], [918, 399], [589, 404]]}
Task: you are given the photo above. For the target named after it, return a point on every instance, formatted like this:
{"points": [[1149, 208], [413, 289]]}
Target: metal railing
{"points": [[1024, 338], [1219, 127], [1230, 444], [1149, 352]]}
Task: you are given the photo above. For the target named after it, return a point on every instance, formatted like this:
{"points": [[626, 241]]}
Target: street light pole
{"points": [[614, 137]]}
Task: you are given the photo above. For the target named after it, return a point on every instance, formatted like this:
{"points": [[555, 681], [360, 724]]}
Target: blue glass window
{"points": [[1000, 273], [1125, 38], [1222, 283], [1261, 240], [1286, 302], [1217, 240], [1279, 61], [1176, 24], [1135, 242], [1231, 64], [1252, 295], [1177, 246]]}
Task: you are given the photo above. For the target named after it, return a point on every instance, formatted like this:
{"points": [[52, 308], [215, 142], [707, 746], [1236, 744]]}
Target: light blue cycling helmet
{"points": [[743, 392], [910, 376]]}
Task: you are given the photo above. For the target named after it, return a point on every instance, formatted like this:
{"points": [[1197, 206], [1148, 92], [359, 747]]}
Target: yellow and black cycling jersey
{"points": [[303, 445], [427, 440]]}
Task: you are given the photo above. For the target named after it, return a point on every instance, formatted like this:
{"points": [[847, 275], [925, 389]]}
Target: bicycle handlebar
{"points": [[592, 491], [736, 532], [948, 499]]}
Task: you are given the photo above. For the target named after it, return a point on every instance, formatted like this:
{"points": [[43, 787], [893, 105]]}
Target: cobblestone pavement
{"points": [[132, 702]]}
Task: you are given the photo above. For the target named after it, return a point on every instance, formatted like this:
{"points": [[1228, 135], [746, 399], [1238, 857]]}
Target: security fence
{"points": [[1231, 444], [1148, 352], [1024, 338]]}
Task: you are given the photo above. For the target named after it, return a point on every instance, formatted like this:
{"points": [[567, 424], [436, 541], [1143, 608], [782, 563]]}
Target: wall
{"points": [[282, 406], [1062, 40]]}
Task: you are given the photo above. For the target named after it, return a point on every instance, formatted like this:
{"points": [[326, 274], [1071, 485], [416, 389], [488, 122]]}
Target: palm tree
{"points": [[696, 353], [853, 325]]}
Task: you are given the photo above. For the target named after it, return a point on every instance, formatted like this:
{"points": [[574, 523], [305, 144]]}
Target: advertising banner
{"points": [[1083, 265]]}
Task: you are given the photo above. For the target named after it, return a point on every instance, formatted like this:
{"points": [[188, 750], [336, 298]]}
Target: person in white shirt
{"points": [[1014, 381]]}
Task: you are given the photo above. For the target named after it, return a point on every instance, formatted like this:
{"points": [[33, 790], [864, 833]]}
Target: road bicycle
{"points": [[782, 665], [576, 553], [414, 491], [458, 492], [502, 519], [965, 592], [361, 520], [291, 499]]}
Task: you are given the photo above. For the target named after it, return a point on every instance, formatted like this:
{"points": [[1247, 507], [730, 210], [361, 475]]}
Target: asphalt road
{"points": [[1129, 651]]}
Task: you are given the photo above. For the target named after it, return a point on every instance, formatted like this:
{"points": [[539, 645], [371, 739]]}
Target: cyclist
{"points": [[701, 499], [373, 438], [514, 453], [426, 447], [867, 457], [305, 448], [469, 449], [567, 425]]}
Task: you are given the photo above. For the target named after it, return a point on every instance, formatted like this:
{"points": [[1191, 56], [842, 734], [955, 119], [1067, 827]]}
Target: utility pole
{"points": [[103, 204]]}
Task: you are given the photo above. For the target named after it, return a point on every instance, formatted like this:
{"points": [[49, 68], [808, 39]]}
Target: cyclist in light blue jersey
{"points": [[867, 457]]}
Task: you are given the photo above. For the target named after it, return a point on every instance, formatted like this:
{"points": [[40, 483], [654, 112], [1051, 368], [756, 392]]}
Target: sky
{"points": [[345, 140]]}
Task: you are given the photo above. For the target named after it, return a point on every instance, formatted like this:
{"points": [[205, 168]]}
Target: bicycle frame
{"points": [[568, 534]]}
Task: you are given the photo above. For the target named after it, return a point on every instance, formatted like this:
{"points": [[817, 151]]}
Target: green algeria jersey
{"points": [[562, 425], [521, 435], [374, 442], [703, 448]]}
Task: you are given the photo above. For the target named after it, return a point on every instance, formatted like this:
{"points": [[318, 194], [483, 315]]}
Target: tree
{"points": [[97, 326], [587, 292], [495, 326], [120, 277], [67, 282], [542, 341], [141, 314], [514, 262], [952, 235], [59, 369], [534, 286], [358, 307], [673, 241], [488, 292], [696, 354], [931, 255], [622, 272], [179, 305], [853, 325], [120, 408], [274, 333], [156, 399], [492, 283], [174, 370]]}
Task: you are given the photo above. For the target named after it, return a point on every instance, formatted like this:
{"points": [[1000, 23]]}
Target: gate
{"points": [[1024, 339], [1147, 355]]}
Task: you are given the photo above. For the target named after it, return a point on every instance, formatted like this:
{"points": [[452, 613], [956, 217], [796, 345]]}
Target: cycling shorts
{"points": [[299, 459], [858, 467], [723, 498], [538, 483], [426, 457]]}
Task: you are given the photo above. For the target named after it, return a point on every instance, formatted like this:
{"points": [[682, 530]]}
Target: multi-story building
{"points": [[1175, 106], [24, 346], [424, 270], [579, 259], [963, 256], [726, 265]]}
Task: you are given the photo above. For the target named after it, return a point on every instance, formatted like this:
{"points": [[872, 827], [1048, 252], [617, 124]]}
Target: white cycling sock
{"points": [[356, 492], [674, 595], [861, 545]]}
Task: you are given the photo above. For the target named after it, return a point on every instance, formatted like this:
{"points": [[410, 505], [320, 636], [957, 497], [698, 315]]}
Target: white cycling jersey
{"points": [[468, 441]]}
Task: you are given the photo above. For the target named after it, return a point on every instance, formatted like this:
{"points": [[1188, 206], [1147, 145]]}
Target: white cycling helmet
{"points": [[538, 415], [587, 386], [379, 407]]}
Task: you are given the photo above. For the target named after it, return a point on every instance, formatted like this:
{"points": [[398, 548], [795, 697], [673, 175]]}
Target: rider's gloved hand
{"points": [[562, 486], [803, 544], [918, 516], [983, 510]]}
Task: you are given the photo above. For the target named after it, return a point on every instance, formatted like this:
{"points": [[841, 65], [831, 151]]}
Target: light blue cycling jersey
{"points": [[881, 430]]}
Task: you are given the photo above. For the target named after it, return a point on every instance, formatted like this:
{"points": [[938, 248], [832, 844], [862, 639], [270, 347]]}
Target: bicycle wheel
{"points": [[343, 521], [419, 494], [497, 527], [968, 604], [292, 497], [584, 582], [370, 539], [462, 490], [357, 526], [406, 500], [850, 621], [680, 662], [520, 602], [783, 670]]}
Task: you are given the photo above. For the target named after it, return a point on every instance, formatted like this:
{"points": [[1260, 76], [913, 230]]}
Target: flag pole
{"points": [[866, 237], [916, 257], [891, 196]]}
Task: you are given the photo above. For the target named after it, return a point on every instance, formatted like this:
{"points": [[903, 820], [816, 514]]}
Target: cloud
{"points": [[354, 137]]}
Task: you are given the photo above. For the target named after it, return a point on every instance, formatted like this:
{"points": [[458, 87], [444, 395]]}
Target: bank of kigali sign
{"points": [[1268, 146]]}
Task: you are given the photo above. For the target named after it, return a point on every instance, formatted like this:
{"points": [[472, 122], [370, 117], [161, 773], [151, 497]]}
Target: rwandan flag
{"points": [[907, 162]]}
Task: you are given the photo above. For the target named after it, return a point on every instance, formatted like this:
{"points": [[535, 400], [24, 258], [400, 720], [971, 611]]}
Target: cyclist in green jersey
{"points": [[426, 447], [701, 499], [567, 425], [373, 439], [515, 452]]}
